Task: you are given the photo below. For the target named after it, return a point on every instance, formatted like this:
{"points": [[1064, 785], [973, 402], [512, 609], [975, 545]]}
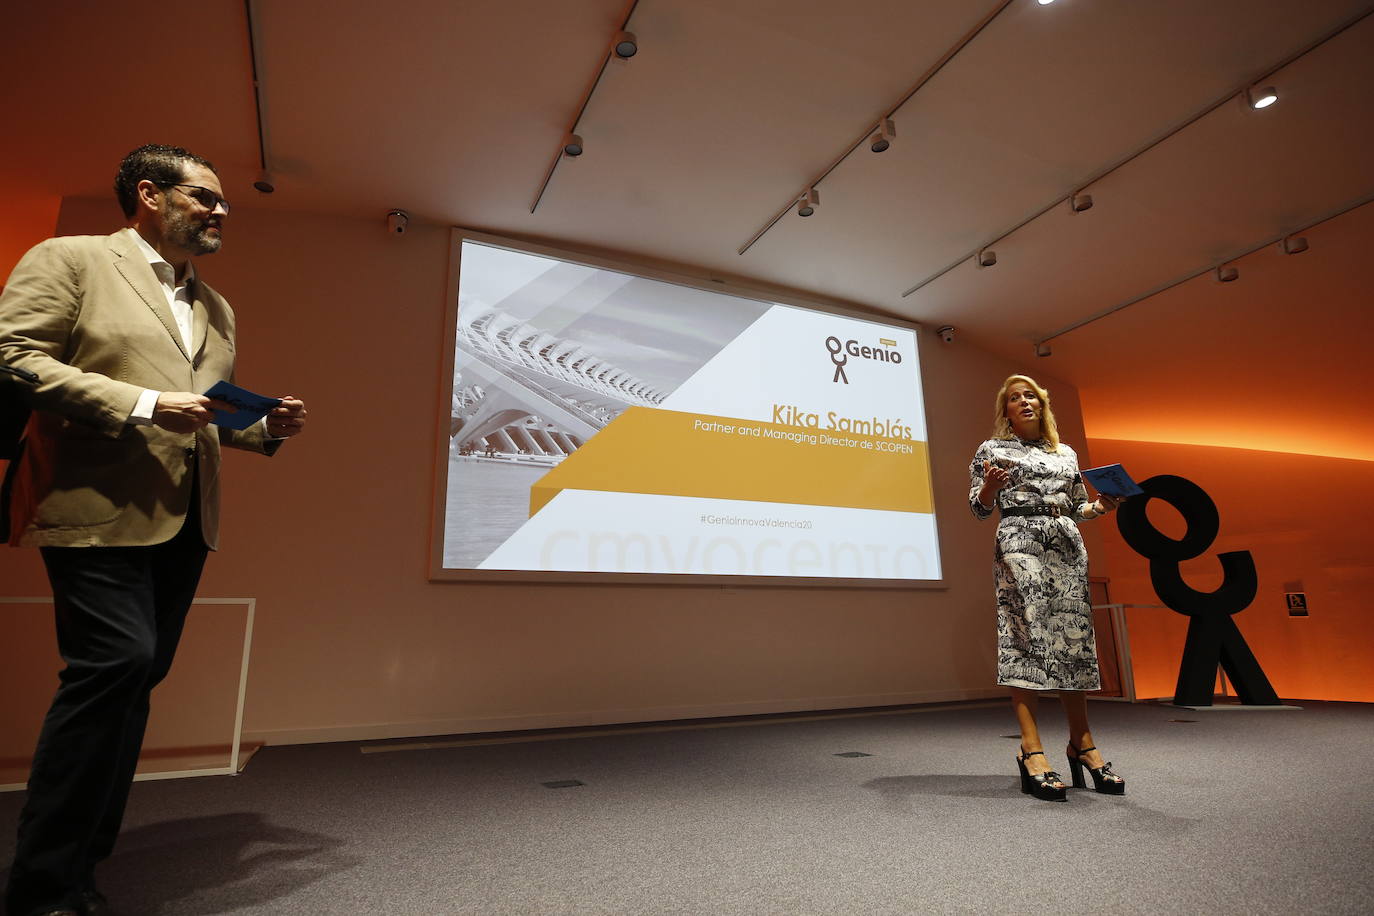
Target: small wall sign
{"points": [[1297, 603]]}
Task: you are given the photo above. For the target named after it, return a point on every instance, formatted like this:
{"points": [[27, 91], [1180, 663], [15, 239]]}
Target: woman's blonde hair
{"points": [[1001, 426]]}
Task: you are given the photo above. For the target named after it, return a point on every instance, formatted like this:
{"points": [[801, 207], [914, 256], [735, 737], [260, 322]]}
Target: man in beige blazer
{"points": [[118, 484]]}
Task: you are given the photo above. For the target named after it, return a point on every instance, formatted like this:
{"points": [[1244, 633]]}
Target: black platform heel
{"points": [[1104, 780], [1041, 784]]}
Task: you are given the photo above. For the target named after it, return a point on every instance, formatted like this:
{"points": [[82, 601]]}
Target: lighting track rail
{"points": [[264, 181], [1098, 316], [570, 137], [1228, 97], [892, 110]]}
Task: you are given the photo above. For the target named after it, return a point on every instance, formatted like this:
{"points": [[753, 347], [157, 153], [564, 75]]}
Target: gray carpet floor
{"points": [[1232, 812]]}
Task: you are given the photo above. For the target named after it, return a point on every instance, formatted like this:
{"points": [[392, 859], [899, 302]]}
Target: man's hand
{"points": [[287, 420], [184, 412]]}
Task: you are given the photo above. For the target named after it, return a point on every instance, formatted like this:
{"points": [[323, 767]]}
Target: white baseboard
{"points": [[468, 726]]}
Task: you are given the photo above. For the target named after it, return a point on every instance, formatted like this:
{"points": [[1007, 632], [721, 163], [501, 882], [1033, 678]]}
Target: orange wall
{"points": [[24, 222], [331, 536], [1302, 518]]}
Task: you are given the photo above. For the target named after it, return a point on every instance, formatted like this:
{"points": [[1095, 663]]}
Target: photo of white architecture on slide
{"points": [[547, 354]]}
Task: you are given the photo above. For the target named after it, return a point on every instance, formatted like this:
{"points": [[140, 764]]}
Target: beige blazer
{"points": [[86, 313]]}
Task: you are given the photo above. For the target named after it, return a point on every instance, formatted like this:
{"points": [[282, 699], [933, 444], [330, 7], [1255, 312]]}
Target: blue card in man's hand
{"points": [[1112, 480], [249, 408]]}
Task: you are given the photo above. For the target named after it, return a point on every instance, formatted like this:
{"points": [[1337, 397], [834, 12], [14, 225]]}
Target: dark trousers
{"points": [[120, 612]]}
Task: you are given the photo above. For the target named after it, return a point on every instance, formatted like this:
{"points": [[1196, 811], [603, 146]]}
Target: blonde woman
{"points": [[1044, 619]]}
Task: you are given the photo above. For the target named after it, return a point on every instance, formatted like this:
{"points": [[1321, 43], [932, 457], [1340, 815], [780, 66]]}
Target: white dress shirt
{"points": [[178, 295]]}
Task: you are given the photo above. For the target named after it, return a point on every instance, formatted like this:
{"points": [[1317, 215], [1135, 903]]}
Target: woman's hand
{"points": [[1105, 504], [995, 477]]}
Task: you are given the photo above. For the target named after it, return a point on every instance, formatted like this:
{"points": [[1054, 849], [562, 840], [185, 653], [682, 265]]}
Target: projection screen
{"points": [[611, 422]]}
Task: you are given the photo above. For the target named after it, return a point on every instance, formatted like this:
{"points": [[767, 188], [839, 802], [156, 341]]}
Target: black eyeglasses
{"points": [[204, 196]]}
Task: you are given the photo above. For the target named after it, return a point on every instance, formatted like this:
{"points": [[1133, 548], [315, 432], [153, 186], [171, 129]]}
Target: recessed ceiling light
{"points": [[1263, 98]]}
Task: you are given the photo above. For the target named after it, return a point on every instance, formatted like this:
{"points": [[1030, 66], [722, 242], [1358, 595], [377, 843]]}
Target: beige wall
{"points": [[331, 536]]}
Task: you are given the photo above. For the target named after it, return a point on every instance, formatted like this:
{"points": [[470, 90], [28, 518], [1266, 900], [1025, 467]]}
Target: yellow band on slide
{"points": [[666, 452]]}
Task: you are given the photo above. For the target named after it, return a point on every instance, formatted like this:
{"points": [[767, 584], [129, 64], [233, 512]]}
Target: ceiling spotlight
{"points": [[1263, 98], [986, 257], [1042, 348], [881, 140], [1294, 244], [264, 182], [1045, 2], [572, 145], [626, 45], [1227, 274], [808, 202], [1080, 202]]}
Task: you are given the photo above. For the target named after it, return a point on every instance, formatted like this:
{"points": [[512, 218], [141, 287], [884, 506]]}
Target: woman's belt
{"points": [[1032, 510]]}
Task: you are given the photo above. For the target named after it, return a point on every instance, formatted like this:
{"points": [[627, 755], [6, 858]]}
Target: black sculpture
{"points": [[1213, 637]]}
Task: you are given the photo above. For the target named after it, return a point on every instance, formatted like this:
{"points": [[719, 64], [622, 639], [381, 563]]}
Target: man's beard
{"points": [[188, 234]]}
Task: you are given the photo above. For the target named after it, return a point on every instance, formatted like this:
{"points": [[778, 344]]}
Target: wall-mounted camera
{"points": [[946, 333], [397, 221]]}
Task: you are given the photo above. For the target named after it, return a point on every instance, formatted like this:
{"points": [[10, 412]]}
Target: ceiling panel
{"points": [[727, 111], [1215, 190], [1019, 120], [82, 83]]}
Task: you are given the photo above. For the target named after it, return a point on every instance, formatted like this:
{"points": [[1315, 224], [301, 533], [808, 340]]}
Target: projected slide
{"points": [[604, 422]]}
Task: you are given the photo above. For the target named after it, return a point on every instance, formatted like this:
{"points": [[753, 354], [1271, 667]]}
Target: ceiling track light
{"points": [[986, 257], [264, 183], [625, 46], [1043, 349], [882, 139], [1294, 244], [808, 202], [867, 136], [1080, 202], [1227, 274], [1261, 98], [1277, 240]]}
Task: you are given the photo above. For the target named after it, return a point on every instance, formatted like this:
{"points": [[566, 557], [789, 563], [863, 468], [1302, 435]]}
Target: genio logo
{"points": [[840, 351]]}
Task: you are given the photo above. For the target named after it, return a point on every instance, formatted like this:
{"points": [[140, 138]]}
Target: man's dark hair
{"points": [[164, 166]]}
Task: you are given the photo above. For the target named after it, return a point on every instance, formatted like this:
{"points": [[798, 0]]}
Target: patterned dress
{"points": [[1044, 618]]}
